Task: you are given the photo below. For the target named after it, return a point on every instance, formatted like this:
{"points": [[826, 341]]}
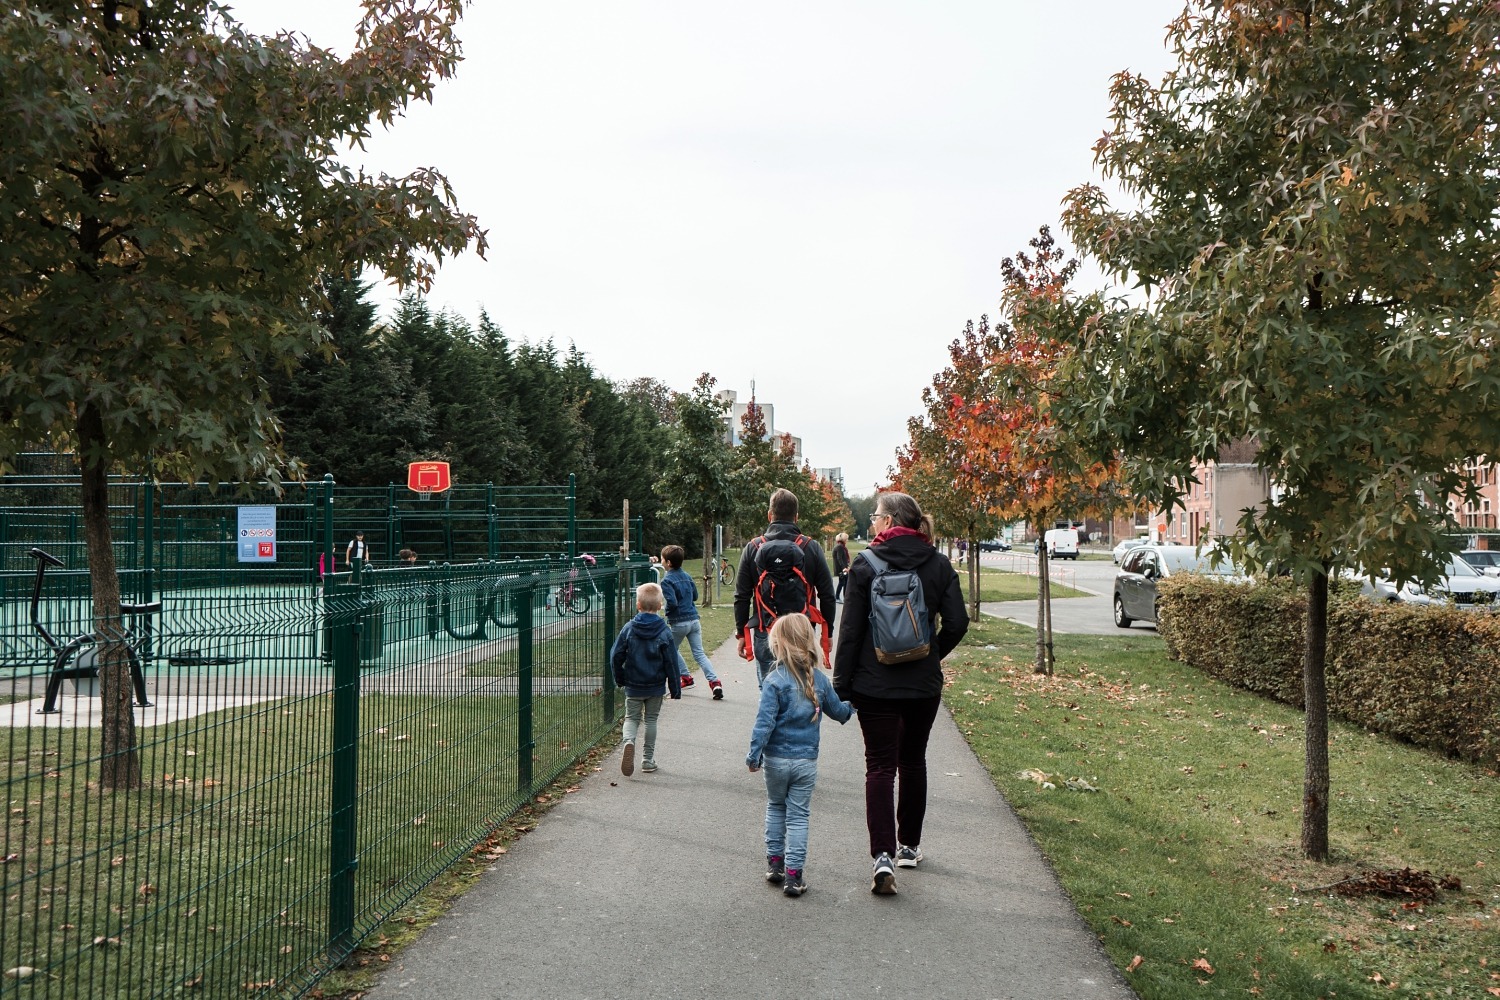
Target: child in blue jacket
{"points": [[793, 700], [644, 663], [681, 595]]}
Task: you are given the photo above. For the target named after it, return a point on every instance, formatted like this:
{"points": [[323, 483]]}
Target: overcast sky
{"points": [[815, 196]]}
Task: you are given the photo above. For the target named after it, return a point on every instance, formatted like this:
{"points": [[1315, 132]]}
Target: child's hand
{"points": [[752, 768]]}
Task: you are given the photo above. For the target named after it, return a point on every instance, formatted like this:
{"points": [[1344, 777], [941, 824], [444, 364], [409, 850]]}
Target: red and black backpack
{"points": [[781, 585]]}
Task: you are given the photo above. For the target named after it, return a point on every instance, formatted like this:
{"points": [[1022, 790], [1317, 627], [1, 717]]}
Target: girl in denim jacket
{"points": [[793, 700]]}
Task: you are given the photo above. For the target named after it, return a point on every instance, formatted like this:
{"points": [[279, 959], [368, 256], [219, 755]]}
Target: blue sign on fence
{"points": [[257, 534]]}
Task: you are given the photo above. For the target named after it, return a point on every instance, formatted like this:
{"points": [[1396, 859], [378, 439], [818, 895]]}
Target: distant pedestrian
{"points": [[408, 557], [356, 550], [644, 663], [681, 595], [840, 564], [780, 572], [793, 700], [897, 702]]}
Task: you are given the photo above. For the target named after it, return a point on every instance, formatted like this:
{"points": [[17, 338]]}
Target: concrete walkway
{"points": [[652, 887]]}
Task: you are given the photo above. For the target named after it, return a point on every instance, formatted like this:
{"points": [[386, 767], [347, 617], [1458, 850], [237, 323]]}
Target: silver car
{"points": [[1146, 565], [1487, 561], [1461, 584], [1124, 545]]}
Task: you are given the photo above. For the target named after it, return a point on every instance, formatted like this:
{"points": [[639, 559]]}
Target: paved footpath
{"points": [[653, 887]]}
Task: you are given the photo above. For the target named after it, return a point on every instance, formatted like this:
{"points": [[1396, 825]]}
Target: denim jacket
{"points": [[681, 595], [786, 724], [644, 659]]}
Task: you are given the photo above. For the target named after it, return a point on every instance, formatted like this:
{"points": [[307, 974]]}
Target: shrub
{"points": [[1429, 675]]}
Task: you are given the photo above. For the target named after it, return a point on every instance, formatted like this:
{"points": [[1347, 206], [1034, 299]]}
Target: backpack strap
{"points": [[879, 564]]}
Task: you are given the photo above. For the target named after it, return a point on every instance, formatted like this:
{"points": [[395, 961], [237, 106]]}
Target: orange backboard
{"points": [[427, 477]]}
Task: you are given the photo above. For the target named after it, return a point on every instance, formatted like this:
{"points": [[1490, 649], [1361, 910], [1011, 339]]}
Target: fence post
{"points": [[572, 515], [491, 522], [525, 747], [343, 847], [611, 616]]}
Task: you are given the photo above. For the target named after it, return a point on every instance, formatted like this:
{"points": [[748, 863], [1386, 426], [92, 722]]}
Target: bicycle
{"points": [[571, 597], [79, 657], [726, 572]]}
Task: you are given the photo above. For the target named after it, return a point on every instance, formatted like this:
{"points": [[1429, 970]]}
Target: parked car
{"points": [[1146, 565], [1460, 584], [1487, 561], [995, 545], [1372, 585], [1124, 545]]}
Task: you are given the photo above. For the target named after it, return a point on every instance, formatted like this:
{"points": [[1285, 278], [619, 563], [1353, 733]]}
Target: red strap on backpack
{"points": [[811, 610]]}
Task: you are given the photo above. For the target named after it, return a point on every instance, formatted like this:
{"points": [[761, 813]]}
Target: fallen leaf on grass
{"points": [[1135, 963], [1201, 964]]}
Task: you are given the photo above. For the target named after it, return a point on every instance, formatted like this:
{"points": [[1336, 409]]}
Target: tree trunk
{"points": [[710, 566], [972, 566], [1315, 695], [1043, 610], [120, 766]]}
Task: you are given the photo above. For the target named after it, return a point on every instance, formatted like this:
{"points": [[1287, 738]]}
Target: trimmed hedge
{"points": [[1428, 675]]}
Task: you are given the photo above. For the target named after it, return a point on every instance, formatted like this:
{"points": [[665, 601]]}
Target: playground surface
{"points": [[654, 886]]}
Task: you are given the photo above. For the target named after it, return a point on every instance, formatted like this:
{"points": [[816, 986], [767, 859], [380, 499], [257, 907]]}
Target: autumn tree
{"points": [[1319, 192], [992, 415], [170, 199]]}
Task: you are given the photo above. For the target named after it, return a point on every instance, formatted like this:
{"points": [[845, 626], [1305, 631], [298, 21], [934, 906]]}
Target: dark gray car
{"points": [[1144, 567]]}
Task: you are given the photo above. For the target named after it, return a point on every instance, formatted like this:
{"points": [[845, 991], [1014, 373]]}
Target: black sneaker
{"points": [[907, 857], [775, 868], [795, 885], [883, 880]]}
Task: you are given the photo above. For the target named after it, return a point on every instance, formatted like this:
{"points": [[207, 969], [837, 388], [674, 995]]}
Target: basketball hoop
{"points": [[426, 478]]}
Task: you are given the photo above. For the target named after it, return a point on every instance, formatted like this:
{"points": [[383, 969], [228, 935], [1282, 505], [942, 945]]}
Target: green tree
{"points": [[696, 485], [170, 198], [356, 413], [1321, 192]]}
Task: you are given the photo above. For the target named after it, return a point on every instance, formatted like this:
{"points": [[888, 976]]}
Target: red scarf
{"points": [[896, 531]]}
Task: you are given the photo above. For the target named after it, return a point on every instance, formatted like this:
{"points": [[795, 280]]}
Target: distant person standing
{"points": [[357, 549], [644, 664], [840, 564], [781, 571], [681, 595], [897, 702]]}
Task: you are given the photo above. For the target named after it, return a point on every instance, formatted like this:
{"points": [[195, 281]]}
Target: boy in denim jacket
{"points": [[644, 664]]}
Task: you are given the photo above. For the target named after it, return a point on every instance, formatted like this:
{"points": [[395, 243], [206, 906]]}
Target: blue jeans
{"points": [[764, 661], [635, 708], [789, 789], [692, 630]]}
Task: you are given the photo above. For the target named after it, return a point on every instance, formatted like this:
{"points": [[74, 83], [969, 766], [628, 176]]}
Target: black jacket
{"points": [[814, 565], [855, 669], [840, 558]]}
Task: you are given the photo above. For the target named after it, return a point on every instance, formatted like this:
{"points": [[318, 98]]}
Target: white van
{"points": [[1062, 543]]}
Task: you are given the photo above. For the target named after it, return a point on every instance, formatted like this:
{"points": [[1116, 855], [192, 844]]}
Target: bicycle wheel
{"points": [[726, 575], [580, 602], [561, 599]]}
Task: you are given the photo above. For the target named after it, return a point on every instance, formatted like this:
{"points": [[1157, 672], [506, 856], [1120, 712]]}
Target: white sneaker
{"points": [[907, 857]]}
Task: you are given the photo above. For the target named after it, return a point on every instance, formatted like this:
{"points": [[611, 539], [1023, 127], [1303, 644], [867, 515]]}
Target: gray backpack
{"points": [[899, 625]]}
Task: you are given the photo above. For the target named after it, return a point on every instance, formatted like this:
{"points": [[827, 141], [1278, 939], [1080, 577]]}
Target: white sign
{"points": [[257, 534]]}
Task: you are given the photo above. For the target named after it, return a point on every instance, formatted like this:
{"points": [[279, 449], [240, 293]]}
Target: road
{"points": [[1073, 615]]}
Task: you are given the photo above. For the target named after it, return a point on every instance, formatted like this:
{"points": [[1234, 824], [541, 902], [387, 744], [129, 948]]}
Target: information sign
{"points": [[256, 537]]}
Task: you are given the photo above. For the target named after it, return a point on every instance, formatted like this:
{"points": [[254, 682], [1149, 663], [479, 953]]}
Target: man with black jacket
{"points": [[783, 517]]}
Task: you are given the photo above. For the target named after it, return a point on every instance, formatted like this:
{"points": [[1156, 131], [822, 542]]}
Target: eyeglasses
{"points": [[877, 516]]}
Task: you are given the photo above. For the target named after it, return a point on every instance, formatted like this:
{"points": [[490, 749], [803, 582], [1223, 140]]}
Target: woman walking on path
{"points": [[840, 563], [793, 700], [897, 703]]}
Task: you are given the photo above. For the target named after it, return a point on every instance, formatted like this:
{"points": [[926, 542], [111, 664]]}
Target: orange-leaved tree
{"points": [[999, 396]]}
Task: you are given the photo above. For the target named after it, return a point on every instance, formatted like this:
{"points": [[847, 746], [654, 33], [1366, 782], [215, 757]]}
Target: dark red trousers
{"points": [[895, 731]]}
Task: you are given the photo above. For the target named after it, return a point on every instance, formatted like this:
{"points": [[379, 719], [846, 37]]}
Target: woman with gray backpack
{"points": [[888, 662]]}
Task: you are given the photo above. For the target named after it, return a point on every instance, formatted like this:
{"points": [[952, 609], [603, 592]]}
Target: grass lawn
{"points": [[1186, 861], [214, 874]]}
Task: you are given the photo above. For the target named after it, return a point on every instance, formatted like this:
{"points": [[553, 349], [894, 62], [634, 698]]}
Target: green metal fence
{"points": [[291, 803], [314, 752]]}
